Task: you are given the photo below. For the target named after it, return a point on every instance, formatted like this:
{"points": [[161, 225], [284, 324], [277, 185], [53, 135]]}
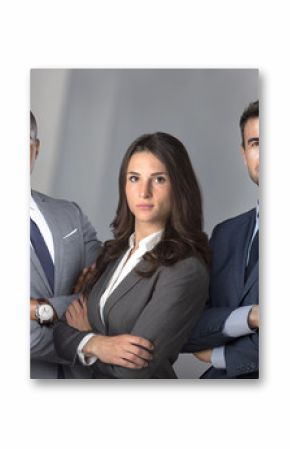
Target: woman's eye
{"points": [[160, 179], [133, 178]]}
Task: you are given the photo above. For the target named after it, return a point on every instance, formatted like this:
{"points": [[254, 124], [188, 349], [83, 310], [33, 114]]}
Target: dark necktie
{"points": [[42, 252], [253, 256]]}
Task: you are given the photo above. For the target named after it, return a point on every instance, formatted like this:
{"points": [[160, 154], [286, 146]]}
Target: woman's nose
{"points": [[145, 189]]}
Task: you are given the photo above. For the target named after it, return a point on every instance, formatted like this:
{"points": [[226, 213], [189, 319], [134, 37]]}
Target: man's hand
{"points": [[84, 278], [33, 305], [34, 302], [77, 315], [204, 355], [254, 317], [124, 350]]}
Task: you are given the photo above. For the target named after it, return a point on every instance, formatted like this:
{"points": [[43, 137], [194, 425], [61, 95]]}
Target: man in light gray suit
{"points": [[63, 242]]}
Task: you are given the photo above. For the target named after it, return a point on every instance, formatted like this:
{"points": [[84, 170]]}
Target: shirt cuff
{"points": [[218, 358], [236, 324], [84, 359]]}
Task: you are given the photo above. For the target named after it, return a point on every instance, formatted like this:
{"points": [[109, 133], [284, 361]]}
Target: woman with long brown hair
{"points": [[151, 280]]}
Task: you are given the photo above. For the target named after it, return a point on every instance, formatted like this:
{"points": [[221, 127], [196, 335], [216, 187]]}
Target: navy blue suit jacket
{"points": [[229, 245]]}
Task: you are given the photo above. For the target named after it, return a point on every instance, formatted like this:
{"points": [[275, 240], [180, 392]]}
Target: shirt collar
{"points": [[148, 243]]}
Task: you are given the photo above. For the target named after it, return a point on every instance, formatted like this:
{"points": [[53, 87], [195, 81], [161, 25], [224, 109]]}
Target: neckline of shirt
{"points": [[147, 243]]}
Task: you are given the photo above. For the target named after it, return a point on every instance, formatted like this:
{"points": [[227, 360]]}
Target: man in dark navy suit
{"points": [[227, 335]]}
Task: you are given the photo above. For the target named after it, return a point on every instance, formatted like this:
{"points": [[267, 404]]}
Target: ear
{"points": [[242, 151]]}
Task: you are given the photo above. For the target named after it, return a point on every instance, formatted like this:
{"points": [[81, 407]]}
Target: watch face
{"points": [[45, 312]]}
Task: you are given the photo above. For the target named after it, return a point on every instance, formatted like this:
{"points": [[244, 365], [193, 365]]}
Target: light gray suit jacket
{"points": [[75, 246], [162, 308]]}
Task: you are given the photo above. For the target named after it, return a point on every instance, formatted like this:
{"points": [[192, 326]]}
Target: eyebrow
{"points": [[152, 174], [253, 139]]}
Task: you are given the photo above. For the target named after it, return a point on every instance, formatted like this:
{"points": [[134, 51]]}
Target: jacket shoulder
{"points": [[188, 267], [235, 221], [55, 202]]}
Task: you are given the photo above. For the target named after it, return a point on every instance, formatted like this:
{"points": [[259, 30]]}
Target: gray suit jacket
{"points": [[75, 246], [162, 308]]}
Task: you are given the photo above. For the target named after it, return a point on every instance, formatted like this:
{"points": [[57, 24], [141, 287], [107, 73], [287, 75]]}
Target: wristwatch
{"points": [[44, 312]]}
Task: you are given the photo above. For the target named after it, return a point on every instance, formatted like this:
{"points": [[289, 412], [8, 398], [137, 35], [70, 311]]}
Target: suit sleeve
{"points": [[167, 319], [208, 332], [242, 355], [41, 344], [67, 340], [41, 337]]}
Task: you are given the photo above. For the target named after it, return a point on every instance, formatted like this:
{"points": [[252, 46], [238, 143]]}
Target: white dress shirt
{"points": [[38, 218], [126, 265]]}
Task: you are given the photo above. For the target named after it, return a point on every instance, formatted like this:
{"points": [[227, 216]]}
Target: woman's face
{"points": [[148, 189]]}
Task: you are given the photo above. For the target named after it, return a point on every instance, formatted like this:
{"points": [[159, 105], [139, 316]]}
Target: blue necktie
{"points": [[42, 253], [254, 256]]}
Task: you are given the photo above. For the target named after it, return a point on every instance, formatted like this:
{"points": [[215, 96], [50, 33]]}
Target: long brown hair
{"points": [[183, 235]]}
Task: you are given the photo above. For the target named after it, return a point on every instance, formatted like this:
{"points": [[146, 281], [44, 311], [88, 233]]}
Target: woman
{"points": [[151, 280]]}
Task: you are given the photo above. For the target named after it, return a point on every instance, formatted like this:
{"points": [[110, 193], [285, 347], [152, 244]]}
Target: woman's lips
{"points": [[144, 206]]}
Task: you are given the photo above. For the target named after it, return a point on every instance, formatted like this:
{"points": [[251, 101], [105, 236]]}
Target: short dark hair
{"points": [[252, 111], [33, 127]]}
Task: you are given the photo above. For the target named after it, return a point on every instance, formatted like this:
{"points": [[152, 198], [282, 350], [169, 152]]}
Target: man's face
{"points": [[250, 152], [34, 150]]}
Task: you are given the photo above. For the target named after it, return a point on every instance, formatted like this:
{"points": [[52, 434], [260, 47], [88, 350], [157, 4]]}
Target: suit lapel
{"points": [[51, 219], [94, 310], [94, 298], [253, 277], [243, 238], [58, 255], [96, 294], [38, 267], [127, 284]]}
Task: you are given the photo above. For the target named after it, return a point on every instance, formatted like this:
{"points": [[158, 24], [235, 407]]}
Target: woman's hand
{"points": [[77, 315], [84, 278], [124, 350]]}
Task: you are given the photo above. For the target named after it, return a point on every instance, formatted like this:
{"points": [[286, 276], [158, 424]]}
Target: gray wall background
{"points": [[88, 117]]}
